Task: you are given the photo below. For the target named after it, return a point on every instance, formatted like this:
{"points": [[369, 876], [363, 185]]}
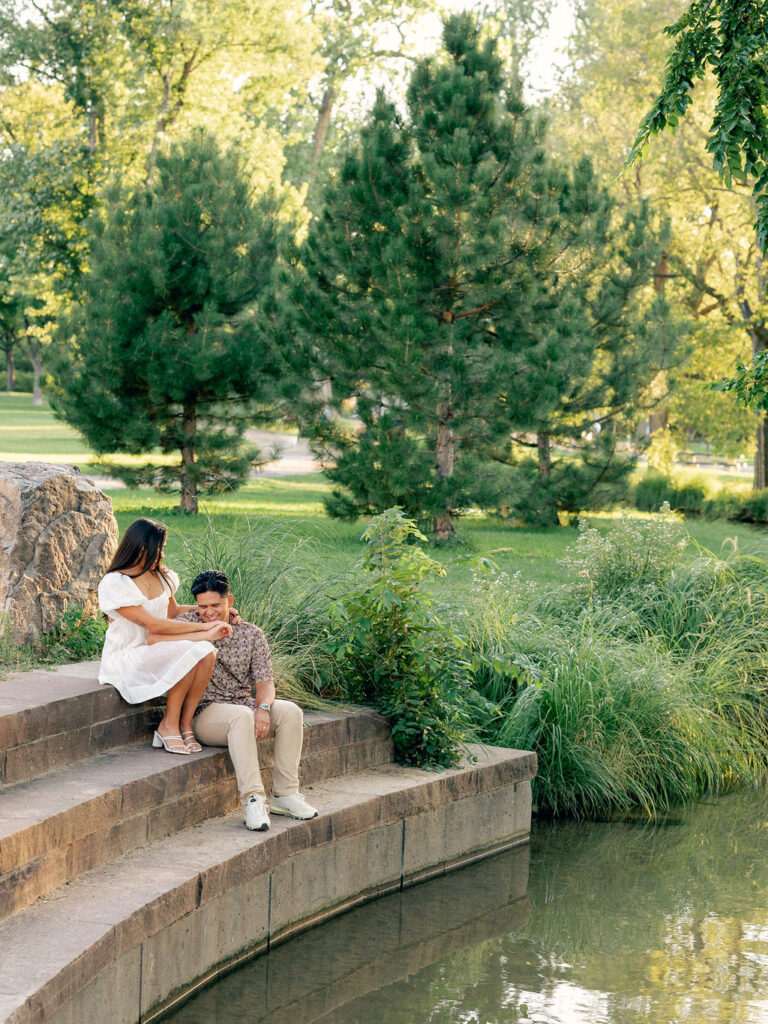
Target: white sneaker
{"points": [[256, 817], [295, 806]]}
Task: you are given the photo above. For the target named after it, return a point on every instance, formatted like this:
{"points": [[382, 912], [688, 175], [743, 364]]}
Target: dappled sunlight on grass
{"points": [[27, 433]]}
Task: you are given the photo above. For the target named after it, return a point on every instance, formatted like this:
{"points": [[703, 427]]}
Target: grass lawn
{"points": [[329, 546], [34, 434]]}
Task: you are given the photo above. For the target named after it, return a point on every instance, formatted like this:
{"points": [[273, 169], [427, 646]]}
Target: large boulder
{"points": [[57, 536]]}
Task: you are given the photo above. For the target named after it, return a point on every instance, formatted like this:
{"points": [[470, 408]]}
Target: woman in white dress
{"points": [[146, 652]]}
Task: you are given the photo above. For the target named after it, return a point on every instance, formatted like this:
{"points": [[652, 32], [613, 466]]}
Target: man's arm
{"points": [[260, 676]]}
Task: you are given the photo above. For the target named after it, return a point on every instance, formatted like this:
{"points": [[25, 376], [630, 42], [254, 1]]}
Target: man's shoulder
{"points": [[248, 630], [192, 616]]}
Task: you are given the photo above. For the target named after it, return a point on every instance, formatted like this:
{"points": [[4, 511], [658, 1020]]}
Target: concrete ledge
{"points": [[378, 944], [129, 938], [56, 827]]}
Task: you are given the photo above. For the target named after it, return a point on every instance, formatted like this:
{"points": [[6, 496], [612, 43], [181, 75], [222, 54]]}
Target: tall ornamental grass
{"points": [[272, 590], [640, 682]]}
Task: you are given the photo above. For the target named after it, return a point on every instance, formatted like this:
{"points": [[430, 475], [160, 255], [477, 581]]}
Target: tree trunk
{"points": [[160, 124], [548, 515], [188, 501], [35, 353], [10, 374], [545, 456], [658, 419], [443, 522], [321, 130], [760, 478]]}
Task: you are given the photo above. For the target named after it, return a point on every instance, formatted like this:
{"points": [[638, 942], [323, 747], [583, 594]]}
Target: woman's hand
{"points": [[218, 630]]}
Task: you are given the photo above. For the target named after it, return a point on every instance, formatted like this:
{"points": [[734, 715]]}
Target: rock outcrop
{"points": [[57, 535]]}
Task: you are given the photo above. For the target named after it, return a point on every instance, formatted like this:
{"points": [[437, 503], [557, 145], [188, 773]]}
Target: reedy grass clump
{"points": [[640, 682], [275, 590]]}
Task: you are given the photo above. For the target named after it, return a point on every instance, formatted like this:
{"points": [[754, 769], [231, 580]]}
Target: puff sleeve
{"points": [[173, 579], [117, 591]]}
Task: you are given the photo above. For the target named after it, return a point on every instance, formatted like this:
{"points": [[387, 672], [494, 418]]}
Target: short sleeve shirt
{"points": [[242, 662]]}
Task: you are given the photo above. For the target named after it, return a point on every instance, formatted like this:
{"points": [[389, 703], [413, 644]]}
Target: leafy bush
{"points": [[726, 504], [614, 725], [739, 506], [756, 506], [634, 554], [396, 653], [655, 489], [81, 636]]}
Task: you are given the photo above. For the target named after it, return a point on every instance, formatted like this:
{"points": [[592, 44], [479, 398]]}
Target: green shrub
{"points": [[756, 506], [739, 507], [726, 505], [396, 653], [633, 554], [79, 635], [655, 489], [615, 725]]}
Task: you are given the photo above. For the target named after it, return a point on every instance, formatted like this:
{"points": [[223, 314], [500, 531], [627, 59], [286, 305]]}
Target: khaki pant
{"points": [[231, 725]]}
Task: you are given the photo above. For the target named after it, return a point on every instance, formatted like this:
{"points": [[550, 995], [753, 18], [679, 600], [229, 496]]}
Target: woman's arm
{"points": [[168, 627], [220, 630], [181, 609]]}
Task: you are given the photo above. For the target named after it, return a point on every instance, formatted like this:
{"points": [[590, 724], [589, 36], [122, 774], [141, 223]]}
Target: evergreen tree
{"points": [[165, 348], [451, 287]]}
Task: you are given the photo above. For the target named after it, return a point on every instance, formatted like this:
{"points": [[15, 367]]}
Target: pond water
{"points": [[605, 924]]}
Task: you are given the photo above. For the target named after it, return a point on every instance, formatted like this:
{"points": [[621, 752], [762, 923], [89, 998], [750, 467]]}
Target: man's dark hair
{"points": [[211, 579]]}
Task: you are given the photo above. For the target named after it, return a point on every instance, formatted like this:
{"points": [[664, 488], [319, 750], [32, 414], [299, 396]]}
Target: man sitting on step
{"points": [[239, 707]]}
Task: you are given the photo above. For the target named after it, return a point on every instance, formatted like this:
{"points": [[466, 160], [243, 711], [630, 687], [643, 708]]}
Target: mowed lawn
{"points": [[323, 545]]}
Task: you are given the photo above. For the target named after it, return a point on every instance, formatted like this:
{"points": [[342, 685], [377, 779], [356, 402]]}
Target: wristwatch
{"points": [[263, 707]]}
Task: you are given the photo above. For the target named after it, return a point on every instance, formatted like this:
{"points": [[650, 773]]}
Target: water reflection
{"points": [[625, 925], [316, 975]]}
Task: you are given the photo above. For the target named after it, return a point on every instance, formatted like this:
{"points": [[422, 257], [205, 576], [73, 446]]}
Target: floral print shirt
{"points": [[242, 661]]}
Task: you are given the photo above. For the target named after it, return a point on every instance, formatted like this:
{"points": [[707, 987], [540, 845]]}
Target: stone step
{"points": [[56, 717], [61, 824], [126, 940]]}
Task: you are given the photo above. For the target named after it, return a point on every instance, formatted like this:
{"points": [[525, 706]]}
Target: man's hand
{"points": [[260, 723]]}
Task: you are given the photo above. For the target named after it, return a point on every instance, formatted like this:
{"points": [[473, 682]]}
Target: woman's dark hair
{"points": [[140, 549], [211, 579]]}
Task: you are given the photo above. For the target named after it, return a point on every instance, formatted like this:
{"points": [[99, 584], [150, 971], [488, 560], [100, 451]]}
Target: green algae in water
{"points": [[619, 924]]}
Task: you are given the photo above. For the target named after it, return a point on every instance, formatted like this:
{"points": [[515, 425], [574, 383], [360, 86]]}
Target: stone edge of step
{"points": [[144, 796], [159, 884]]}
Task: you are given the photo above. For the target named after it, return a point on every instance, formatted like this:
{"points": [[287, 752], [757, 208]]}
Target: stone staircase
{"points": [[127, 878]]}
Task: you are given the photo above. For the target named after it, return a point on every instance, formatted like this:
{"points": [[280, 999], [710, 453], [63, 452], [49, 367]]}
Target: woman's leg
{"points": [[201, 674], [183, 697]]}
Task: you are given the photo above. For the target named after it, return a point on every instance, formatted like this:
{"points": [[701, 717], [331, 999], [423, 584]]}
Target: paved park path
{"points": [[292, 459]]}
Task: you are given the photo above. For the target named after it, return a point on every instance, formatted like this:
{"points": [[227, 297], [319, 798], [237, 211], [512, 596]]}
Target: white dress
{"points": [[137, 670]]}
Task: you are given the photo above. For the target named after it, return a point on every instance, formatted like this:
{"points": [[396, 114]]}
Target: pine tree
{"points": [[165, 348], [449, 287]]}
